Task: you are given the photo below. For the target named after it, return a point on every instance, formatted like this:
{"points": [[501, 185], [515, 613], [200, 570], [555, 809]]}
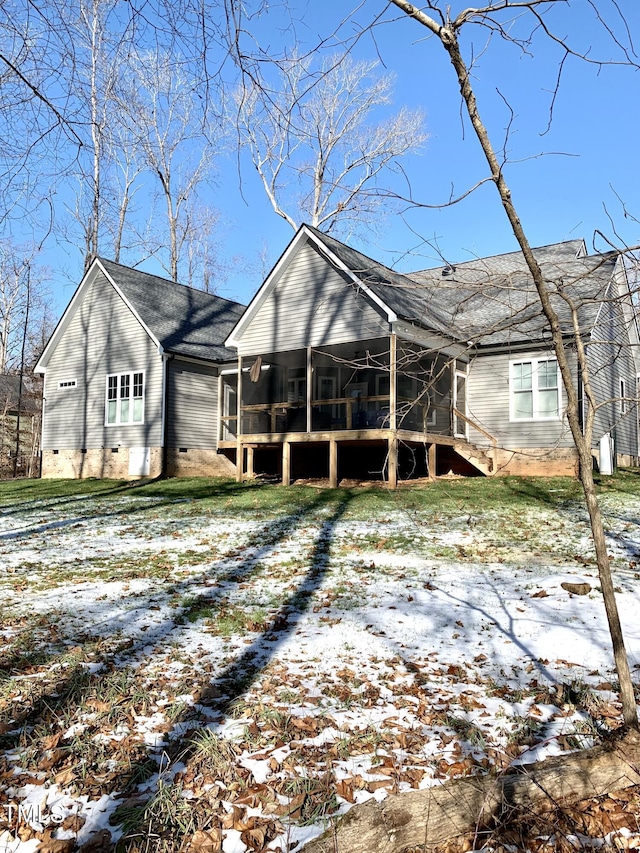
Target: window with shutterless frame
{"points": [[535, 390], [124, 398]]}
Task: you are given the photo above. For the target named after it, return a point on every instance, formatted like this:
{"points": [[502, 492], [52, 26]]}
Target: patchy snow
{"points": [[253, 655]]}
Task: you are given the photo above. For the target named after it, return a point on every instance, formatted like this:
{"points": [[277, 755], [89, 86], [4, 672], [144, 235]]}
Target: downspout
{"points": [[166, 358], [42, 408]]}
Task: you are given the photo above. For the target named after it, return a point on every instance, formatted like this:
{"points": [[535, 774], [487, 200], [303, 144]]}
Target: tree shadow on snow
{"points": [[116, 656]]}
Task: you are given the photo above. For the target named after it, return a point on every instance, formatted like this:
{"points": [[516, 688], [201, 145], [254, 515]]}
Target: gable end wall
{"points": [[103, 337], [313, 304]]}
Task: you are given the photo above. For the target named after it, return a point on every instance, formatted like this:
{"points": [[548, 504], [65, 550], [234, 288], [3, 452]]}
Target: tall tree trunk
{"points": [[449, 40]]}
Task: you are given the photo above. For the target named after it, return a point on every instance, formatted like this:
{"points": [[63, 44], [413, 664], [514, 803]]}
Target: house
{"points": [[346, 368], [131, 378], [340, 368], [20, 407]]}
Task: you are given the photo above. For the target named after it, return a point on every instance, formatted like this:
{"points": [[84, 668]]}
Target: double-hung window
{"points": [[125, 398], [535, 390]]}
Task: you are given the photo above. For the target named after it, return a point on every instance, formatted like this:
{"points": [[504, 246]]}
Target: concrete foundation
{"points": [[109, 464], [102, 463], [537, 462], [198, 463]]}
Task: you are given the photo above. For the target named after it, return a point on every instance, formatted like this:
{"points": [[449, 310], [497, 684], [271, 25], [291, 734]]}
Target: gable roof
{"points": [[491, 300], [397, 290], [390, 291], [183, 320], [494, 300], [179, 319]]}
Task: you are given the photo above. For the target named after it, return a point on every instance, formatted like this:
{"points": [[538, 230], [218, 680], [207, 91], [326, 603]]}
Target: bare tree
{"points": [[175, 141], [318, 143], [446, 28], [25, 309], [35, 129]]}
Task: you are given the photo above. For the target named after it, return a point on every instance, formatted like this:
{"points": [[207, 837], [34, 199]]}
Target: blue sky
{"points": [[561, 180]]}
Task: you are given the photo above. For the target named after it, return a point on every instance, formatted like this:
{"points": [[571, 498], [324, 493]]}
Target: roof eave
{"points": [[303, 235]]}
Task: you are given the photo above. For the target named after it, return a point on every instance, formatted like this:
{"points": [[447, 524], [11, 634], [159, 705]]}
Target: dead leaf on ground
{"points": [[206, 841], [99, 842]]}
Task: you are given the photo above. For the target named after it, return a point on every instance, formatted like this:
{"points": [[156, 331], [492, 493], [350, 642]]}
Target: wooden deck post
{"points": [[392, 464], [309, 384], [431, 460], [286, 463], [239, 448], [393, 399], [250, 468], [333, 464]]}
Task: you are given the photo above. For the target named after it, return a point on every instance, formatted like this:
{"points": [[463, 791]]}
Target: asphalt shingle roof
{"points": [[489, 300], [185, 321], [396, 290]]}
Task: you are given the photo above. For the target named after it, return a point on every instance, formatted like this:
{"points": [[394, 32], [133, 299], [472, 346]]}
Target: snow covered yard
{"points": [[225, 667]]}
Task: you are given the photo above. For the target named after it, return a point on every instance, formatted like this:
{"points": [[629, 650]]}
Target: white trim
{"points": [[460, 374], [392, 317], [72, 308], [302, 236], [534, 361], [134, 312], [118, 422], [266, 287]]}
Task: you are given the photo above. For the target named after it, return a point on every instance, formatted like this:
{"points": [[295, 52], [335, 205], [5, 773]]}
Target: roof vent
{"points": [[448, 270]]}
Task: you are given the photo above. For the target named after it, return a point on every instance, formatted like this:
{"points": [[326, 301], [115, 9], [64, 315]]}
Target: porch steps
{"points": [[476, 457]]}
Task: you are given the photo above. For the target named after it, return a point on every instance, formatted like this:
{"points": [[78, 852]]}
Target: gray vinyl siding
{"points": [[193, 405], [102, 338], [488, 404], [610, 359], [313, 304]]}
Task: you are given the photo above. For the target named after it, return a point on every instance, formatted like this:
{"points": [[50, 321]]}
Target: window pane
{"points": [[522, 376], [111, 411], [523, 405], [548, 404], [125, 381], [124, 411], [383, 384], [113, 388], [548, 374], [137, 410], [137, 385]]}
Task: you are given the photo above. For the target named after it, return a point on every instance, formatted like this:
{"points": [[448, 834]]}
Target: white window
{"points": [[125, 398], [67, 383], [535, 390]]}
